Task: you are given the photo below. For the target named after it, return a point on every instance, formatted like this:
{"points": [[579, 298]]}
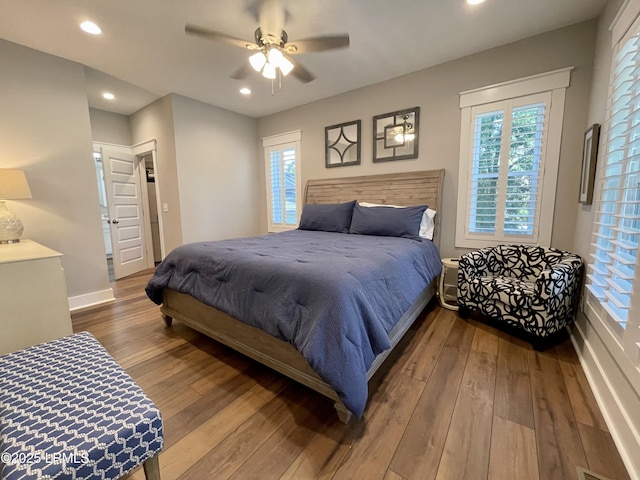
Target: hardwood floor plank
{"points": [[420, 364], [281, 448], [466, 450], [602, 455], [325, 452], [196, 413], [419, 452], [585, 407], [225, 459], [391, 475], [560, 449], [513, 388], [371, 454], [513, 452], [179, 457]]}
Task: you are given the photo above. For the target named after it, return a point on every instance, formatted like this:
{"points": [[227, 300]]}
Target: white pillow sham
{"points": [[427, 223]]}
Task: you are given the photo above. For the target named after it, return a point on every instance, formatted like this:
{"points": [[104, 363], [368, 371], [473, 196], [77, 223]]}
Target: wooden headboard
{"points": [[407, 189]]}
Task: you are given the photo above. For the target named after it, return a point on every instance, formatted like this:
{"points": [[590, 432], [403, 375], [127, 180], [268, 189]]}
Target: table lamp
{"points": [[13, 186]]}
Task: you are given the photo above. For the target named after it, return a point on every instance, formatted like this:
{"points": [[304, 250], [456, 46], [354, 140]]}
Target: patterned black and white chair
{"points": [[534, 289]]}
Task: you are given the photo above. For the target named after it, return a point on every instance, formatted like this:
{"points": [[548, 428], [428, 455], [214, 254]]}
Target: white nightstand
{"points": [[447, 289], [33, 296]]}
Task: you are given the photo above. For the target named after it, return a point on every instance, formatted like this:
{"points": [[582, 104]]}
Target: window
{"points": [[613, 262], [509, 153], [282, 168]]}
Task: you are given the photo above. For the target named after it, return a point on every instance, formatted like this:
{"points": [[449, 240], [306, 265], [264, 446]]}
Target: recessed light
{"points": [[91, 28], [108, 96], [245, 91], [475, 2]]}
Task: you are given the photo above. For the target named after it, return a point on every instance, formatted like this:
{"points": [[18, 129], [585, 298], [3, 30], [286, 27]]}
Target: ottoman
{"points": [[69, 411]]}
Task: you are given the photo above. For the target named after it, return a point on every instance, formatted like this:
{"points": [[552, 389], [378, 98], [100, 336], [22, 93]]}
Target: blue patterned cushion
{"points": [[69, 411]]}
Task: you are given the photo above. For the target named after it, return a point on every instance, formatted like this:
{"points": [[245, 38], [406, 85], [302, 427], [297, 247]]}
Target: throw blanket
{"points": [[335, 297]]}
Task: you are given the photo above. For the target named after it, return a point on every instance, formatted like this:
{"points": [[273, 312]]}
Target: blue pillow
{"points": [[387, 221], [327, 217]]}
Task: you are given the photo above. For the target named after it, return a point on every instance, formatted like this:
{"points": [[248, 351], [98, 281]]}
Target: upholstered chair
{"points": [[533, 289]]}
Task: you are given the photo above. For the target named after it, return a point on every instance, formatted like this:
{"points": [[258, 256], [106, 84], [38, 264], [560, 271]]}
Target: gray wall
{"points": [[155, 121], [217, 171], [109, 127], [436, 90], [207, 169], [44, 130]]}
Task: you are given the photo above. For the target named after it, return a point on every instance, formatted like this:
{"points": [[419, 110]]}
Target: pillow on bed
{"points": [[327, 217], [427, 224], [387, 221]]}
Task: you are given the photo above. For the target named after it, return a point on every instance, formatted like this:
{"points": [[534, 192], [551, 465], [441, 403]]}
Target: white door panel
{"points": [[124, 199]]}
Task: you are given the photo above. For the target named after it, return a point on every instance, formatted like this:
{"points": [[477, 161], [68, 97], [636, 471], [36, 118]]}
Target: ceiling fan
{"points": [[271, 45]]}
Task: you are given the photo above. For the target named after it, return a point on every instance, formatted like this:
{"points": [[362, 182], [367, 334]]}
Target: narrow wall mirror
{"points": [[342, 144], [396, 135]]}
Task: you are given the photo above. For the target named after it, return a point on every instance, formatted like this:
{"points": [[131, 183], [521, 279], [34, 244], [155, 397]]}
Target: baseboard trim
{"points": [[90, 299], [624, 433]]}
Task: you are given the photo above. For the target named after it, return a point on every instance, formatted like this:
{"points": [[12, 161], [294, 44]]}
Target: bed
{"points": [[276, 349]]}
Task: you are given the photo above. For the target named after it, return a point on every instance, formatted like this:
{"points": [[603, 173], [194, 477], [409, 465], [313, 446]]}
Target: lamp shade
{"points": [[13, 185]]}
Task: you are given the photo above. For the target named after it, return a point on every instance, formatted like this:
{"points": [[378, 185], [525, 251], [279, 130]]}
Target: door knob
{"points": [[115, 221]]}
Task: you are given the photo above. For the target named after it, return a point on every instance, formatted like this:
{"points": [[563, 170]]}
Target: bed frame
{"points": [[414, 188]]}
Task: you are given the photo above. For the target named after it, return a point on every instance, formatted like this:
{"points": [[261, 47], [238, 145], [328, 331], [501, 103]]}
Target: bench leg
{"points": [[152, 468], [167, 319]]}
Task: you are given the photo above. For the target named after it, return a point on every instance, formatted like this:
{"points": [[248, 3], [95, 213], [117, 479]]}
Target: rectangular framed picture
{"points": [[589, 157]]}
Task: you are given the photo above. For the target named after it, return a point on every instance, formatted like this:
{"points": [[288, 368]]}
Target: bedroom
{"points": [[46, 130]]}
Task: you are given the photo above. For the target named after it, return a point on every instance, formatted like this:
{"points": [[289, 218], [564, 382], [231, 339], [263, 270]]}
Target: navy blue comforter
{"points": [[335, 297]]}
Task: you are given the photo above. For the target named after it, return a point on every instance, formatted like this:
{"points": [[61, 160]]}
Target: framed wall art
{"points": [[342, 144], [396, 135], [589, 157]]}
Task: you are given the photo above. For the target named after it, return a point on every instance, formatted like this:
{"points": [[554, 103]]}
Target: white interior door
{"points": [[125, 206]]}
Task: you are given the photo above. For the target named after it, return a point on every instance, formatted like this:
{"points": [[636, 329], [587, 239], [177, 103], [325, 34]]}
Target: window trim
{"points": [[295, 138], [555, 82]]}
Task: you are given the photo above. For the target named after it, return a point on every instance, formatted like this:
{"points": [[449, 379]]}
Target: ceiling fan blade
{"points": [[241, 72], [317, 44], [217, 36], [301, 73]]}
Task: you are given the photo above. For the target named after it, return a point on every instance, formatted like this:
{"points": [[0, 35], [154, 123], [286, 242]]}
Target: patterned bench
{"points": [[69, 411]]}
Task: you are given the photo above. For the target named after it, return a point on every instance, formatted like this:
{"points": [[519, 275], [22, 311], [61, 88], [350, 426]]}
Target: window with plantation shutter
{"points": [[509, 153], [282, 168], [611, 274]]}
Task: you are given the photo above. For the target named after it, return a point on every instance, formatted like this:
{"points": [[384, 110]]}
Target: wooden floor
{"points": [[459, 400]]}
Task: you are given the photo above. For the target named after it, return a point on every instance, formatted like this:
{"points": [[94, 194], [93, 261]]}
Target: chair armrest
{"points": [[561, 278]]}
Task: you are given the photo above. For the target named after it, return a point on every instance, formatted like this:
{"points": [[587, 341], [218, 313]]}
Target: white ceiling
{"points": [[144, 53]]}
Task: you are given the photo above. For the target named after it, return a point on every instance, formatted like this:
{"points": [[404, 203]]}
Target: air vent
{"points": [[584, 474]]}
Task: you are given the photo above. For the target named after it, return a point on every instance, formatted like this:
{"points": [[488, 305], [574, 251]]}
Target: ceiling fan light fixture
{"points": [[285, 66], [257, 61], [269, 71], [275, 57]]}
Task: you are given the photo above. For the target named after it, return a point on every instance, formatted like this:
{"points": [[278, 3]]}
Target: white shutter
{"points": [[282, 167], [526, 160], [508, 149], [487, 145], [614, 256]]}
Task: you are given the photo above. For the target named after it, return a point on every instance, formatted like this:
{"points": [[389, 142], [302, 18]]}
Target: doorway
{"points": [[126, 176]]}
